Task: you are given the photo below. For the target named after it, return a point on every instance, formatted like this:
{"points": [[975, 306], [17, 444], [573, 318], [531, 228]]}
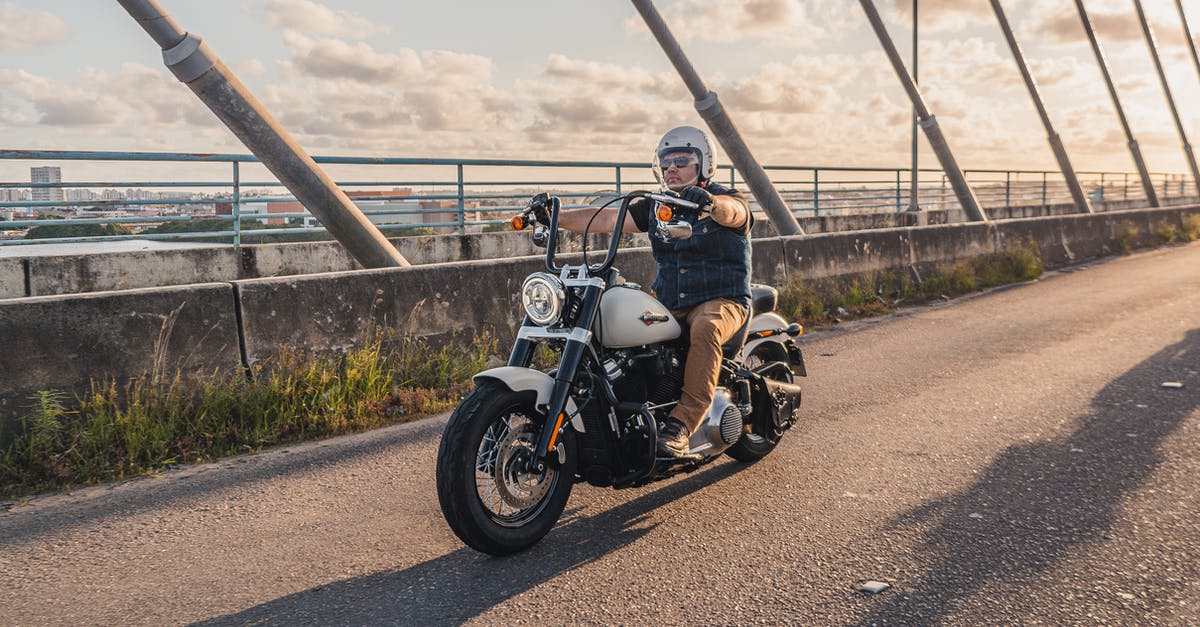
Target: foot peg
{"points": [[662, 461]]}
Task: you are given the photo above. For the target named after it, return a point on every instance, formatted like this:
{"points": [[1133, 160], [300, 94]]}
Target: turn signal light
{"points": [[554, 436], [664, 213], [517, 222]]}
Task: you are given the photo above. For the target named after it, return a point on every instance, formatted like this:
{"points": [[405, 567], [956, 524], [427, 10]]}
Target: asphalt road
{"points": [[1008, 458]]}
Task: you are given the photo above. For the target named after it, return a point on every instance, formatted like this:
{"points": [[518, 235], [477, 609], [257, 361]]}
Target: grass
{"points": [[1191, 228], [145, 425], [1165, 232], [1124, 235], [829, 302]]}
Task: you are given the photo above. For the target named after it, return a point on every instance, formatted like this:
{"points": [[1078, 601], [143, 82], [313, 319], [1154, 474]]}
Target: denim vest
{"points": [[713, 263]]}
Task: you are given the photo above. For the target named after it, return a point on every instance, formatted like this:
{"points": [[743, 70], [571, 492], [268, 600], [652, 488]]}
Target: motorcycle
{"points": [[517, 443]]}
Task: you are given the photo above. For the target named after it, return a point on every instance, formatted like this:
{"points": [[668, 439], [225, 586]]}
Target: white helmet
{"points": [[688, 139]]}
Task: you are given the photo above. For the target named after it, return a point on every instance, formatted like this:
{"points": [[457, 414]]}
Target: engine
{"points": [[722, 427], [655, 375]]}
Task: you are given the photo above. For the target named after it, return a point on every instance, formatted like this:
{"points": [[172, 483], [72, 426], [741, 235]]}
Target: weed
{"points": [[949, 280], [1191, 227], [799, 300], [1165, 232], [1124, 234], [824, 302], [1018, 262], [148, 423]]}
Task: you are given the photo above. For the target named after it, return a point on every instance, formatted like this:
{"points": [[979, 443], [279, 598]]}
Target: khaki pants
{"points": [[710, 325]]}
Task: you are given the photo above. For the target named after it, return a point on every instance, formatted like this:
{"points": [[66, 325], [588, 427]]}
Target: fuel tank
{"points": [[630, 317]]}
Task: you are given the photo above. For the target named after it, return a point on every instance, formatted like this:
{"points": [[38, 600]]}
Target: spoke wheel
{"points": [[507, 490], [489, 495], [754, 445]]}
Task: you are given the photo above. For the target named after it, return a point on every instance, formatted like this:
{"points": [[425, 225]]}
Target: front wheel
{"points": [[489, 497], [755, 445]]}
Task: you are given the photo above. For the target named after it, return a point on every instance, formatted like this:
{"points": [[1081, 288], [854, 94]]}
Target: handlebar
{"points": [[552, 205], [667, 199]]}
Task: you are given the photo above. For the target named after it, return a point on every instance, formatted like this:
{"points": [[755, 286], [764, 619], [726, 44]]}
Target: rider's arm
{"points": [[730, 210]]}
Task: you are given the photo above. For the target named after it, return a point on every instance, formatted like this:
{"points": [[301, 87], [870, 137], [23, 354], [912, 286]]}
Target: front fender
{"points": [[518, 379]]}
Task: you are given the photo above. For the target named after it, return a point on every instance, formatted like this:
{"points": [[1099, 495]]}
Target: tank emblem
{"points": [[649, 317]]}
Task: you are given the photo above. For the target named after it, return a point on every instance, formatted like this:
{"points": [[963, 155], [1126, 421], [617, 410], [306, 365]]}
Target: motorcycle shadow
{"points": [[1046, 503], [463, 584]]}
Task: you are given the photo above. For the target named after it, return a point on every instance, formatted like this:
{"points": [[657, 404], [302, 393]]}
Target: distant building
{"points": [[381, 207], [80, 194], [13, 195], [283, 206], [46, 174]]}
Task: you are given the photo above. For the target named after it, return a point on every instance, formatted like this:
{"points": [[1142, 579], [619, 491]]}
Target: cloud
{"points": [[249, 67], [574, 97], [136, 101], [315, 18], [789, 89], [973, 60], [1121, 27], [153, 97], [22, 29], [609, 75], [796, 23], [337, 59], [351, 91], [834, 101], [944, 14], [12, 116], [59, 104], [584, 113]]}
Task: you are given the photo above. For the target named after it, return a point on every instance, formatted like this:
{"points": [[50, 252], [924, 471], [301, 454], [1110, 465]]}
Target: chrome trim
{"points": [[576, 333], [558, 293], [707, 436]]}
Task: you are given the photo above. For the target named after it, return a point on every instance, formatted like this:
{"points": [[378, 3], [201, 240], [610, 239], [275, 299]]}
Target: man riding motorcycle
{"points": [[704, 280]]}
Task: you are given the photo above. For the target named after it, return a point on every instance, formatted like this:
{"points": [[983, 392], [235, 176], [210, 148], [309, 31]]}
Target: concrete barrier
{"points": [[835, 254], [70, 274], [66, 274], [334, 311], [62, 342], [12, 278]]}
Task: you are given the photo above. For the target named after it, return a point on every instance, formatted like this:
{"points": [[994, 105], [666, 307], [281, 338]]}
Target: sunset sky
{"points": [[805, 80]]}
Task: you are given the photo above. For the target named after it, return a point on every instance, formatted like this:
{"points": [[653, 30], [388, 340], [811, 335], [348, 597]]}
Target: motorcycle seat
{"points": [[762, 299]]}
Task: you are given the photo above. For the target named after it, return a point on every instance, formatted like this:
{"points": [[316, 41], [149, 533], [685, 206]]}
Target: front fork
{"points": [[568, 365]]}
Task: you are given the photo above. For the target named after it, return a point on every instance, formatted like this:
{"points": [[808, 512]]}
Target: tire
{"points": [[489, 505], [753, 446]]}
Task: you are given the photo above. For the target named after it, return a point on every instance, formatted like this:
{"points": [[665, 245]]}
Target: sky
{"points": [[806, 81]]}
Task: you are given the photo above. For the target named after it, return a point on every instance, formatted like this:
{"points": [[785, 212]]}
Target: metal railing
{"points": [[426, 195]]}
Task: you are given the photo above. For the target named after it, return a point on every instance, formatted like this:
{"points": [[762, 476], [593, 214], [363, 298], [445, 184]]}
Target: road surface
{"points": [[1006, 458]]}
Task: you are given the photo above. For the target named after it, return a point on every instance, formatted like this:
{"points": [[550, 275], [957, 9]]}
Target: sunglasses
{"points": [[679, 162]]}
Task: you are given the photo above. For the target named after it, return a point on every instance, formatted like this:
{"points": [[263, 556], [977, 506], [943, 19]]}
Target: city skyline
{"points": [[806, 82]]}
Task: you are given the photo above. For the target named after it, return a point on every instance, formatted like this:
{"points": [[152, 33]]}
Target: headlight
{"points": [[543, 295]]}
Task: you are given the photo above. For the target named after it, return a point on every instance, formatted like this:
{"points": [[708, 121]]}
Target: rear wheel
{"points": [[754, 443], [488, 495]]}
